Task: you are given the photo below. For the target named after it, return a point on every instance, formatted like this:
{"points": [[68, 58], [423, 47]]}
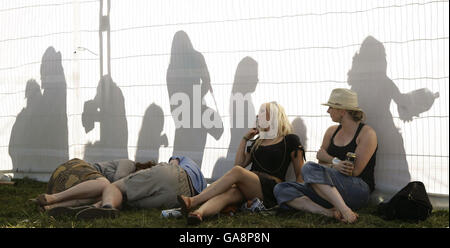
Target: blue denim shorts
{"points": [[353, 190]]}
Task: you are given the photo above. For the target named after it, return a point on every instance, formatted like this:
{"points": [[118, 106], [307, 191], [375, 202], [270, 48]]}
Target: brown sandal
{"points": [[66, 211], [95, 213]]}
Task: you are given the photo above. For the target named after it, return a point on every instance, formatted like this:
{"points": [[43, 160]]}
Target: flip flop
{"points": [[66, 211], [95, 213], [194, 219]]}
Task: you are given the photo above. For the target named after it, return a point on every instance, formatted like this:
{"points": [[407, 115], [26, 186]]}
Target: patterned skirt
{"points": [[71, 173]]}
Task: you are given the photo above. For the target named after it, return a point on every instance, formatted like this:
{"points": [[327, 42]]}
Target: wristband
{"points": [[335, 161]]}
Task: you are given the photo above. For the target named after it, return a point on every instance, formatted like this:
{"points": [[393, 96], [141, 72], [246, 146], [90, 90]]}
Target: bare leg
{"points": [[331, 194], [87, 189], [112, 196], [73, 203], [217, 203], [247, 182], [304, 203]]}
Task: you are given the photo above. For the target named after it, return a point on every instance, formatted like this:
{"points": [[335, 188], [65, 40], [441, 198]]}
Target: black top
{"points": [[341, 152], [275, 159]]}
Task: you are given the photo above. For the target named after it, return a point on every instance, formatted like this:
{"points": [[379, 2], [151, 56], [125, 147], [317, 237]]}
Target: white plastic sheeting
{"points": [[55, 106]]}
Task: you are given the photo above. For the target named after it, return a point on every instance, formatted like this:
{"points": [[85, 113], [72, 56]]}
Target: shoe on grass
{"points": [[95, 213], [66, 211]]}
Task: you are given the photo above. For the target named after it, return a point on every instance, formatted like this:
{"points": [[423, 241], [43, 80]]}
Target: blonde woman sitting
{"points": [[270, 155]]}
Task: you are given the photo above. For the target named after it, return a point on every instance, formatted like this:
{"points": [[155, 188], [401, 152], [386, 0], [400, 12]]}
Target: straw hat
{"points": [[343, 99]]}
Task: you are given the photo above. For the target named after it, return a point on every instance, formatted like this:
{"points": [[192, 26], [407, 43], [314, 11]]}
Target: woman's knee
{"points": [[120, 184], [308, 167], [286, 189], [279, 188], [237, 171], [103, 182], [234, 194]]}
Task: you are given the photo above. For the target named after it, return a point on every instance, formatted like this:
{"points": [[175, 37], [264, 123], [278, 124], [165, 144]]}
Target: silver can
{"points": [[171, 213]]}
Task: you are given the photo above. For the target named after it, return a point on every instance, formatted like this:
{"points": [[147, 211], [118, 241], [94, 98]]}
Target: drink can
{"points": [[171, 213], [351, 157]]}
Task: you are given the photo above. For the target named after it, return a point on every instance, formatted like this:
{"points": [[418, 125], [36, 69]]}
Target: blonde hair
{"points": [[284, 126], [357, 115]]}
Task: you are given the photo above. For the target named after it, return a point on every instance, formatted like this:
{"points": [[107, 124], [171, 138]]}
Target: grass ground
{"points": [[15, 212]]}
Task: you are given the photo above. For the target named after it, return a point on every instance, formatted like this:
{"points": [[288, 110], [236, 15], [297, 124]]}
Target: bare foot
{"points": [[194, 218], [349, 216], [50, 199], [98, 204], [334, 213], [44, 199], [337, 215], [185, 203]]}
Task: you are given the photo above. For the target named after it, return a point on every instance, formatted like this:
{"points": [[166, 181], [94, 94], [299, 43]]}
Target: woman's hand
{"points": [[322, 155], [174, 161], [250, 134], [345, 167]]}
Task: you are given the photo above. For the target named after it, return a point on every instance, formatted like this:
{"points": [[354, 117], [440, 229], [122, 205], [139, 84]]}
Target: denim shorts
{"points": [[353, 190]]}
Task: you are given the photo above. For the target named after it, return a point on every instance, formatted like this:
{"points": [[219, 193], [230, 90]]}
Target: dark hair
{"points": [[143, 166], [356, 115]]}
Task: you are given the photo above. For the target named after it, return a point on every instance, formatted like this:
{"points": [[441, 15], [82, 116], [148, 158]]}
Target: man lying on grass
{"points": [[154, 187]]}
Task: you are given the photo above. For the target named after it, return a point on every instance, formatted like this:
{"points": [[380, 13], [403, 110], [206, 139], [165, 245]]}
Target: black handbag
{"points": [[410, 203]]}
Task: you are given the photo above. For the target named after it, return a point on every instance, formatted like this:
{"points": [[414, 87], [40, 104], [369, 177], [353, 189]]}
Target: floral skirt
{"points": [[71, 173]]}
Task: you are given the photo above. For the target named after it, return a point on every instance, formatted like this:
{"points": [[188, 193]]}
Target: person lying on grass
{"points": [[270, 154], [77, 182], [154, 187], [335, 187]]}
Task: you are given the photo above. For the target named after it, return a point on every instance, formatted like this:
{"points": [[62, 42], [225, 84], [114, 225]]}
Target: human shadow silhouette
{"points": [[188, 82], [24, 140], [39, 138], [242, 112], [150, 138], [298, 128], [107, 108], [375, 91]]}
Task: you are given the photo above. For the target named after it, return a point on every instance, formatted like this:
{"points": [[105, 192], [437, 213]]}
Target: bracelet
{"points": [[335, 161]]}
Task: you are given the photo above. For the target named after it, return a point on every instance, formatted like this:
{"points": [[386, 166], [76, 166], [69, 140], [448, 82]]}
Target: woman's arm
{"points": [[322, 155], [297, 162], [366, 146], [242, 157], [326, 159]]}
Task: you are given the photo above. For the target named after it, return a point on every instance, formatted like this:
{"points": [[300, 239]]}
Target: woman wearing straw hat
{"points": [[335, 187]]}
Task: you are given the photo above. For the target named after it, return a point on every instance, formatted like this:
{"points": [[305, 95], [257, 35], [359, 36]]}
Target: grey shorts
{"points": [[353, 190], [156, 187]]}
